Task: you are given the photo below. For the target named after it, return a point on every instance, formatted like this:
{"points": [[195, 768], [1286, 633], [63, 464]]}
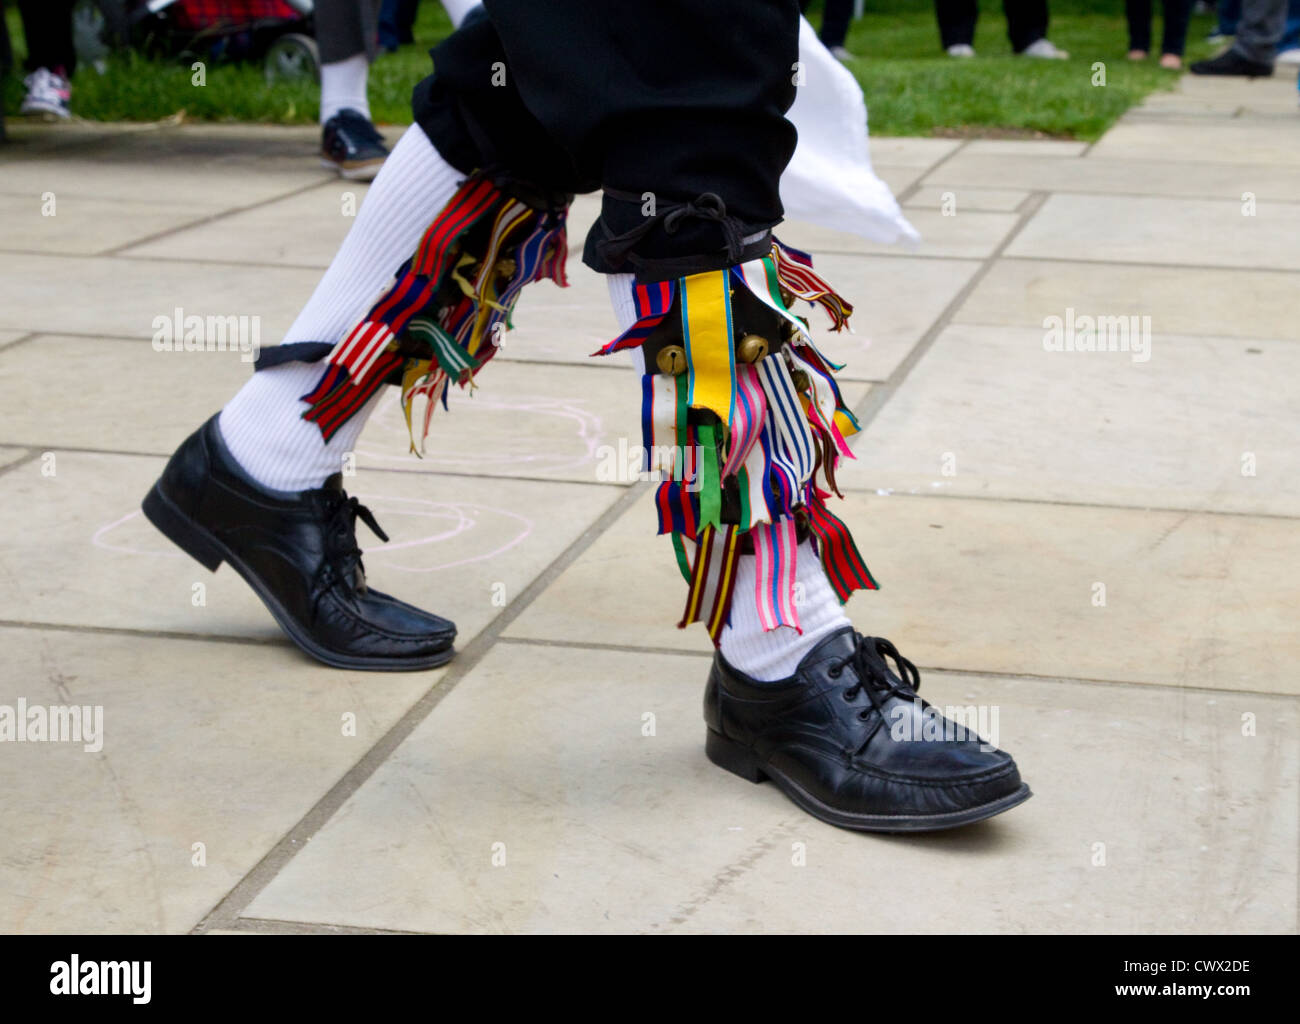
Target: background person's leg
{"points": [[1138, 13], [1177, 16], [956, 20], [347, 35], [1026, 22], [1260, 29], [835, 23]]}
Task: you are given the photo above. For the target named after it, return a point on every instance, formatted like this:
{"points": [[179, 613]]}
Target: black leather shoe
{"points": [[298, 551], [1230, 62], [850, 742]]}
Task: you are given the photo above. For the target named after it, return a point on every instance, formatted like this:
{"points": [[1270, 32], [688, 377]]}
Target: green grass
{"points": [[912, 88]]}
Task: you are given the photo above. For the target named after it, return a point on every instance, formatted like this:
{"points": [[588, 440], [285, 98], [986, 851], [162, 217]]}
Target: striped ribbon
{"points": [[470, 202], [823, 402], [652, 302], [747, 421], [659, 401], [790, 428], [775, 554], [450, 356], [839, 554], [713, 578], [794, 270], [332, 404], [455, 336]]}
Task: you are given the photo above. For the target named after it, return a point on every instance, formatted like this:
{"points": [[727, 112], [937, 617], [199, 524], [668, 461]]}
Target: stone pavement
{"points": [[1098, 548]]}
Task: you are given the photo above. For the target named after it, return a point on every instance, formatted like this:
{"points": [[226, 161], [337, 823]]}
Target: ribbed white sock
{"points": [[766, 656], [769, 656], [263, 425], [342, 85]]}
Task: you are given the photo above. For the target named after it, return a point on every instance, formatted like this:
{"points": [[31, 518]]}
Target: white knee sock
{"points": [[766, 656], [342, 85], [769, 656], [263, 425]]}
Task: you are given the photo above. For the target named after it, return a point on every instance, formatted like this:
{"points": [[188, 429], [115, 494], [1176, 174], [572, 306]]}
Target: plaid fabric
{"points": [[200, 14]]}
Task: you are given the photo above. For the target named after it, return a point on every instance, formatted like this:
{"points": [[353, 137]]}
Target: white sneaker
{"points": [[1043, 50], [47, 94], [840, 53], [1289, 57], [961, 50]]}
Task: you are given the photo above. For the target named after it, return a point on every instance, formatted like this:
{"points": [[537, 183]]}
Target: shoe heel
{"points": [[179, 530], [732, 756]]}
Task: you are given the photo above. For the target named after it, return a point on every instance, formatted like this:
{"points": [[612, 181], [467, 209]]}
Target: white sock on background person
{"points": [[343, 85], [263, 425]]}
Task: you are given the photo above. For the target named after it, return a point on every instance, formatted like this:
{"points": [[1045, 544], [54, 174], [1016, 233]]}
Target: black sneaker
{"points": [[299, 553], [351, 145], [850, 742], [1230, 62]]}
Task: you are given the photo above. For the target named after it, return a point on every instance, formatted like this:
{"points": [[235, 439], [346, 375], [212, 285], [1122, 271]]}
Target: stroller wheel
{"points": [[291, 57]]}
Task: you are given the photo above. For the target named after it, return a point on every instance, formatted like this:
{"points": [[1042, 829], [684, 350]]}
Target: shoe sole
{"points": [[355, 172], [740, 760], [201, 545]]}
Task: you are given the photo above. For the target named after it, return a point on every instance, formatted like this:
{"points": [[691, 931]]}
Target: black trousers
{"points": [[658, 102], [47, 26], [1177, 13], [1026, 21]]}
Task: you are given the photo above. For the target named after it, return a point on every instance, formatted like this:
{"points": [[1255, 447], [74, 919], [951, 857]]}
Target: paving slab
{"points": [[121, 297], [1025, 147], [1224, 97], [1149, 230], [303, 229], [1092, 427], [182, 389], [72, 223], [466, 547], [910, 152], [598, 827], [1254, 142], [1182, 300], [969, 234], [1130, 173], [1191, 599], [219, 744], [10, 455], [184, 164], [965, 197]]}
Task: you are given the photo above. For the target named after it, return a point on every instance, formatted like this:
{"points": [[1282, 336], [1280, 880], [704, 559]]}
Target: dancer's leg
{"points": [[263, 424]]}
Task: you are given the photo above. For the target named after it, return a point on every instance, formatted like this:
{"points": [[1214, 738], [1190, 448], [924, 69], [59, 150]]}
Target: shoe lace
{"points": [[872, 677], [343, 554]]}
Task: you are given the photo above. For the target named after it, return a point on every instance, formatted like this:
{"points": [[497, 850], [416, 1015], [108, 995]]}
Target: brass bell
{"points": [[753, 347], [671, 360], [506, 268], [787, 297], [801, 381]]}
